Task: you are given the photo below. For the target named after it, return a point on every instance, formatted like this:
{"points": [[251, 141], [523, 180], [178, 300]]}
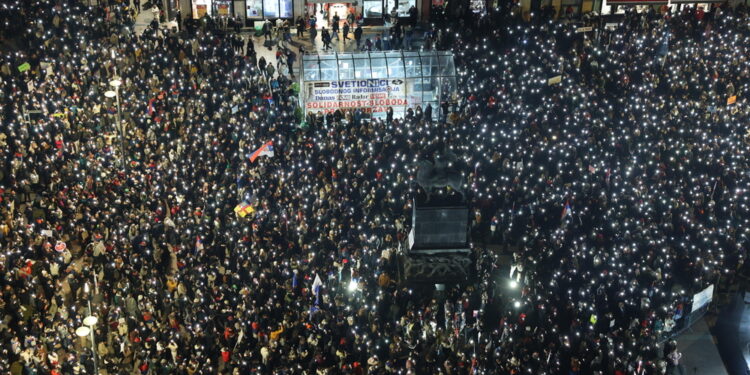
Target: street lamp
{"points": [[116, 83], [88, 329], [83, 331]]}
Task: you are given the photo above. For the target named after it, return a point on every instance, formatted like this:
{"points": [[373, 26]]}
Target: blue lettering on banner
{"points": [[360, 83]]}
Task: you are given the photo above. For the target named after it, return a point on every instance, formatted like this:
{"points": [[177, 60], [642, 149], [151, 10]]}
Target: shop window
{"points": [[271, 8], [285, 8], [201, 8], [569, 8], [403, 7], [372, 9], [254, 9], [607, 8], [222, 8]]}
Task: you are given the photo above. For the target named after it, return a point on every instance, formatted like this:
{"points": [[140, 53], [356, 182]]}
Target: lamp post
{"points": [[116, 83], [88, 328]]}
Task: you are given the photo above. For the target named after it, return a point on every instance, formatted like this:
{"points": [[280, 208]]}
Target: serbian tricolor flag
{"points": [[266, 149], [566, 210]]}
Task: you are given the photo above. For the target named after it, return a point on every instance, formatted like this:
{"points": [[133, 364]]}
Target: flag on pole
{"points": [[606, 176], [239, 338], [317, 283], [266, 149], [198, 243], [566, 210], [313, 310], [151, 108], [243, 209]]}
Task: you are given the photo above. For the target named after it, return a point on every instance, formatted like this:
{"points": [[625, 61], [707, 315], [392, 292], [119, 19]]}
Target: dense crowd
{"points": [[642, 145]]}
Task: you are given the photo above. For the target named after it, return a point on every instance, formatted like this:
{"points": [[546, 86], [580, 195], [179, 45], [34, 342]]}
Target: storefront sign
{"points": [[584, 29], [372, 95]]}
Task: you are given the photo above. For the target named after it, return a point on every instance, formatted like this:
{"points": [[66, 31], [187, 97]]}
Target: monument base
{"points": [[443, 268]]}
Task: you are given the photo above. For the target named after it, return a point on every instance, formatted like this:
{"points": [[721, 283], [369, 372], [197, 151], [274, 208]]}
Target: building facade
{"points": [[375, 12], [249, 11]]}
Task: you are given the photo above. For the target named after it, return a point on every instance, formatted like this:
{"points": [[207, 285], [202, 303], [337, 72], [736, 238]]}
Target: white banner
{"points": [[554, 80], [703, 298], [371, 95]]}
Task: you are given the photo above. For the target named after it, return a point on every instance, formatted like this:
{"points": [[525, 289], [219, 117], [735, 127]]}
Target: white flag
{"points": [[239, 338], [317, 283]]}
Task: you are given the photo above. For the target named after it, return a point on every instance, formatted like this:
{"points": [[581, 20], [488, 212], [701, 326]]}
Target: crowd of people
{"points": [[611, 164]]}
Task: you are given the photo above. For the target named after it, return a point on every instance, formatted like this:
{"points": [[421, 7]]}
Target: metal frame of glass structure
{"points": [[429, 77]]}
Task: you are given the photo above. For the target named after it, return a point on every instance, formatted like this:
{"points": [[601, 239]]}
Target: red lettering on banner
{"points": [[356, 103]]}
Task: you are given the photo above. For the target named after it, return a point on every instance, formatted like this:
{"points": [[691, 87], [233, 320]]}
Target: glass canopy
{"points": [[375, 81]]}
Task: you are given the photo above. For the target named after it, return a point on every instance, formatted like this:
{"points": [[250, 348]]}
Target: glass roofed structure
{"points": [[374, 81]]}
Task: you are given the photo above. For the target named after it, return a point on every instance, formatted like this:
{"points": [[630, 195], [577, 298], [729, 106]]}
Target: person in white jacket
{"points": [[155, 12], [172, 346]]}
